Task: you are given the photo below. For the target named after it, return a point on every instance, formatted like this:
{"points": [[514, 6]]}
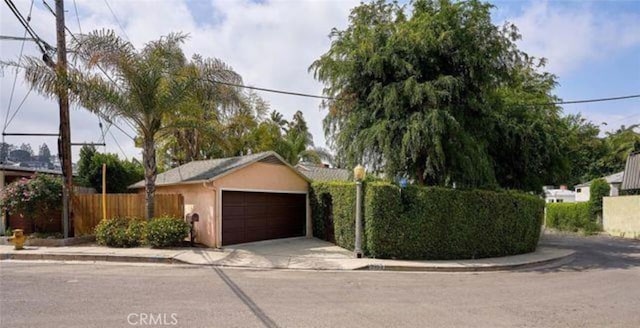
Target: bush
{"points": [[599, 188], [333, 212], [429, 222], [166, 232], [38, 198], [120, 173], [441, 223], [121, 232], [571, 217]]}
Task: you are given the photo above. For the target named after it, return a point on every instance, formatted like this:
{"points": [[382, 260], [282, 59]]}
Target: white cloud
{"points": [[572, 36], [270, 44]]}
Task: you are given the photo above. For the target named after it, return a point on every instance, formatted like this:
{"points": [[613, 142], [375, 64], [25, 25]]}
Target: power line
{"points": [[103, 72], [568, 102], [291, 93], [15, 79], [106, 119], [117, 20], [54, 15], [118, 144], [44, 46], [77, 16], [18, 108]]}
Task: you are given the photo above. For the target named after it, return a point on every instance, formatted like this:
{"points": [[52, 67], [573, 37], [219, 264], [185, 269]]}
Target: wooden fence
{"points": [[87, 208]]}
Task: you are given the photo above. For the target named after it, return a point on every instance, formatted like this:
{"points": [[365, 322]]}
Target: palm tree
{"points": [[624, 141], [297, 143], [196, 124], [142, 87]]}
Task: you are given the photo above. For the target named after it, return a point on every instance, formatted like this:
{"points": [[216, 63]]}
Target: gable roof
{"points": [[319, 173], [206, 170], [631, 179], [611, 179]]}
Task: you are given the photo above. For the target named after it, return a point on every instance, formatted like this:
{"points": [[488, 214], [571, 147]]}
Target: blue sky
{"points": [[603, 67], [592, 46]]}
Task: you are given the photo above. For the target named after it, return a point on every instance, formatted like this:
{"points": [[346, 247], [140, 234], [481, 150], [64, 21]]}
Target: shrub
{"points": [[430, 222], [571, 217], [120, 173], [599, 188], [38, 198], [166, 231], [121, 232], [441, 223], [333, 212]]}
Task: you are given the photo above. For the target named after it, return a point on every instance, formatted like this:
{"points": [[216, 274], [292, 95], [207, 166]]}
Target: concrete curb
{"points": [[417, 267], [90, 258], [562, 259]]}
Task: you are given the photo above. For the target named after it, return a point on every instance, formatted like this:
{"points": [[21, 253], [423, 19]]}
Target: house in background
{"points": [[321, 172], [559, 195], [631, 179], [621, 215], [614, 181]]}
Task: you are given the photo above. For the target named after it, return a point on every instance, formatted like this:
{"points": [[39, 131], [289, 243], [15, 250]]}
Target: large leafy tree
{"points": [[5, 149], [617, 147], [143, 86], [44, 154], [585, 150], [431, 96], [120, 173], [622, 142], [527, 139]]}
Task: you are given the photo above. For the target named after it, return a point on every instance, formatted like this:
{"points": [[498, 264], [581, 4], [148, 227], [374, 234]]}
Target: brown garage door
{"points": [[253, 216]]}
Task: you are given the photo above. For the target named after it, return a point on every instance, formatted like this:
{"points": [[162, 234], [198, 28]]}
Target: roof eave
{"points": [[133, 186], [239, 167]]}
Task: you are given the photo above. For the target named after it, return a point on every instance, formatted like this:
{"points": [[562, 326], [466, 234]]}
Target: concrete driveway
{"points": [[291, 253]]}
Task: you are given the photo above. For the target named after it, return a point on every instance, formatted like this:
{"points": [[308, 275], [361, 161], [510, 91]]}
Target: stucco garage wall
{"points": [[197, 199], [621, 216], [263, 176]]}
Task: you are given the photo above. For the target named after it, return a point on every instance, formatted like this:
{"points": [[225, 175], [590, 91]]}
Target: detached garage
{"points": [[241, 199]]}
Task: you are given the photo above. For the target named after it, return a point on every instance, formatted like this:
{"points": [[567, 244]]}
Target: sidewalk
{"points": [[292, 253]]}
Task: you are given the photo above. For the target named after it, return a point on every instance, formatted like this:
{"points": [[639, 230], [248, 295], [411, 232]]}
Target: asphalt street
{"points": [[600, 287]]}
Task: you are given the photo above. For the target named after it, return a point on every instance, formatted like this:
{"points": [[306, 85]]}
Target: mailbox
{"points": [[193, 217]]}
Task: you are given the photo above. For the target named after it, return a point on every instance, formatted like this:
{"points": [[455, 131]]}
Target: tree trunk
{"points": [[420, 176], [150, 170]]}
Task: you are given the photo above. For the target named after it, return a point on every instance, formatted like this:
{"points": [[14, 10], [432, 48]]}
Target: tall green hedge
{"points": [[334, 201], [431, 223], [440, 223], [599, 188], [571, 217]]}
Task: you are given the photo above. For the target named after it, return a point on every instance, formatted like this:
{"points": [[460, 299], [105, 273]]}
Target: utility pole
{"points": [[64, 141]]}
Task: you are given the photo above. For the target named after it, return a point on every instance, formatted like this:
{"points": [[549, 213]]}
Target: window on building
{"points": [[579, 190]]}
